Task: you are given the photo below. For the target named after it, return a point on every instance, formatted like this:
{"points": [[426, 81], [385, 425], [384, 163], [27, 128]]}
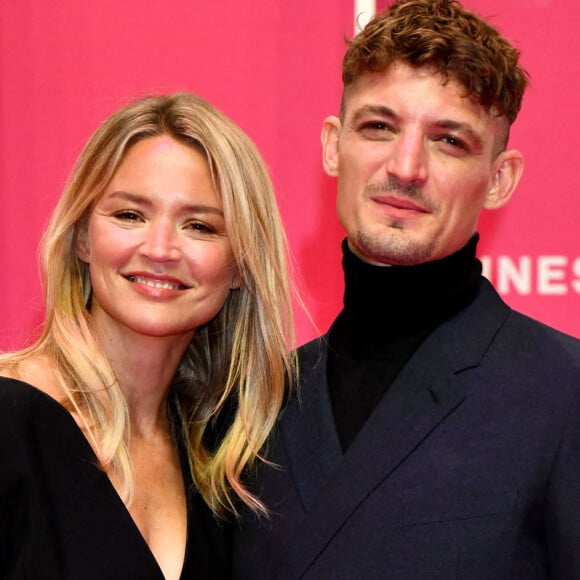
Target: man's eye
{"points": [[375, 126], [376, 130], [453, 141]]}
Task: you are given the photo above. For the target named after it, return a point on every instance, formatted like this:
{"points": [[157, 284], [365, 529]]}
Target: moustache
{"points": [[393, 185]]}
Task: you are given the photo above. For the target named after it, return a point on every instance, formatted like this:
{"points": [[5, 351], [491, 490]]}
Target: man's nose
{"points": [[408, 162]]}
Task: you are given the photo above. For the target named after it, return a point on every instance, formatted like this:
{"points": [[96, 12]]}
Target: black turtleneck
{"points": [[388, 312]]}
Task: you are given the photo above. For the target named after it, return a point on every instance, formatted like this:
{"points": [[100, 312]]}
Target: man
{"points": [[436, 432]]}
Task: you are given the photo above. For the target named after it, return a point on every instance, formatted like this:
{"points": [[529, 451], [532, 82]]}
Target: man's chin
{"points": [[394, 249]]}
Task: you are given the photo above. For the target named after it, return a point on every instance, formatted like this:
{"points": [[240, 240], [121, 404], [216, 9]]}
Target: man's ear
{"points": [[330, 137], [507, 171]]}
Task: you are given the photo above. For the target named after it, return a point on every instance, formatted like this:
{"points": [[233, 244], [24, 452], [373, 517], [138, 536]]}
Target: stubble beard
{"points": [[392, 246], [390, 243]]}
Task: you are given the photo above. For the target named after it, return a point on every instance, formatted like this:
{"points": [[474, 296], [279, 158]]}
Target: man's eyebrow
{"points": [[379, 110]]}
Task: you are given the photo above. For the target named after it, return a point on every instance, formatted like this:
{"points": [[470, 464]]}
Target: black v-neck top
{"points": [[60, 516]]}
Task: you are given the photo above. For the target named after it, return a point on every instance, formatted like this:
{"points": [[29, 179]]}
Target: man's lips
{"points": [[157, 282], [399, 203]]}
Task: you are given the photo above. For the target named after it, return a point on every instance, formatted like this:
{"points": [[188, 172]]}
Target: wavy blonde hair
{"points": [[238, 364]]}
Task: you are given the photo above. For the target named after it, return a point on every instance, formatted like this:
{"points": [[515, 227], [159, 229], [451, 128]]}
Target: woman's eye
{"points": [[200, 227], [128, 215]]}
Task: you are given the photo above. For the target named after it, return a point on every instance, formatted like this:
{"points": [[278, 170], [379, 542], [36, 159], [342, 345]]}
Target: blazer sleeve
{"points": [[562, 508]]}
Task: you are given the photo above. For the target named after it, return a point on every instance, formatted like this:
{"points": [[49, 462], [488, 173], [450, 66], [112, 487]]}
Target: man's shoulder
{"points": [[508, 347], [523, 334], [313, 347], [512, 329], [519, 320]]}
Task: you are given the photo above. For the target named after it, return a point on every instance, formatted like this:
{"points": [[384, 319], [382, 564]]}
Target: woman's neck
{"points": [[144, 367]]}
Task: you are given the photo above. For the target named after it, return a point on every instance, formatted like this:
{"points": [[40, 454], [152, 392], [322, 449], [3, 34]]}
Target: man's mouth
{"points": [[400, 203]]}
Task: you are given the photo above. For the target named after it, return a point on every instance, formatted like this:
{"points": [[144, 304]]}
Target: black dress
{"points": [[60, 516]]}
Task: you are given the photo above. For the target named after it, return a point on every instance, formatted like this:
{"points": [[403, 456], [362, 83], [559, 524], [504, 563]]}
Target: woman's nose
{"points": [[161, 241]]}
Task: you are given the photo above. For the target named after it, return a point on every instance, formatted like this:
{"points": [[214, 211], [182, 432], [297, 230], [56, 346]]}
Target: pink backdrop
{"points": [[274, 67]]}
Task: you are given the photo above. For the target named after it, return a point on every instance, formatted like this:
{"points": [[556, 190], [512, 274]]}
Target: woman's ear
{"points": [[82, 243], [507, 171], [330, 138], [236, 281], [236, 276]]}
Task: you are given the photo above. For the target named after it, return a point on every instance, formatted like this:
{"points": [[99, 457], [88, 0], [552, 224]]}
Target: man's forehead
{"points": [[370, 79], [365, 91], [365, 97]]}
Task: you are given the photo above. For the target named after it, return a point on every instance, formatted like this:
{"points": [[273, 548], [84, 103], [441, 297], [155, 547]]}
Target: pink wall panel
{"points": [[274, 67], [538, 231]]}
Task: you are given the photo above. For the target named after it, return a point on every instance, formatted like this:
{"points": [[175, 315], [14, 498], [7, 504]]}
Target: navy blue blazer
{"points": [[469, 468]]}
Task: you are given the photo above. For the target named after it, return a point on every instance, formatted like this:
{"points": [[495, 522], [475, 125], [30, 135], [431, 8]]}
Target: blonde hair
{"points": [[233, 372]]}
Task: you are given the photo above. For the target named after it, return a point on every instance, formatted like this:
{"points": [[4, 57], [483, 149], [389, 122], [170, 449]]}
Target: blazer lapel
{"points": [[428, 389], [308, 428]]}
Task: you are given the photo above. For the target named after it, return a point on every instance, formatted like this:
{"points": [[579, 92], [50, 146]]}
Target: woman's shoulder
{"points": [[18, 396], [37, 372], [24, 384], [30, 417], [19, 404]]}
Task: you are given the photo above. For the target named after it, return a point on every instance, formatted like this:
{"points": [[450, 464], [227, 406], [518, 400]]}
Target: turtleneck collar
{"points": [[382, 304]]}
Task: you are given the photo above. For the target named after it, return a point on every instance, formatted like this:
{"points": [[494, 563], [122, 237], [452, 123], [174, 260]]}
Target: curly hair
{"points": [[451, 40]]}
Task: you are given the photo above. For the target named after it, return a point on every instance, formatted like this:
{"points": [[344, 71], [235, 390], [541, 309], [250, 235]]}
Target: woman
{"points": [[160, 368]]}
